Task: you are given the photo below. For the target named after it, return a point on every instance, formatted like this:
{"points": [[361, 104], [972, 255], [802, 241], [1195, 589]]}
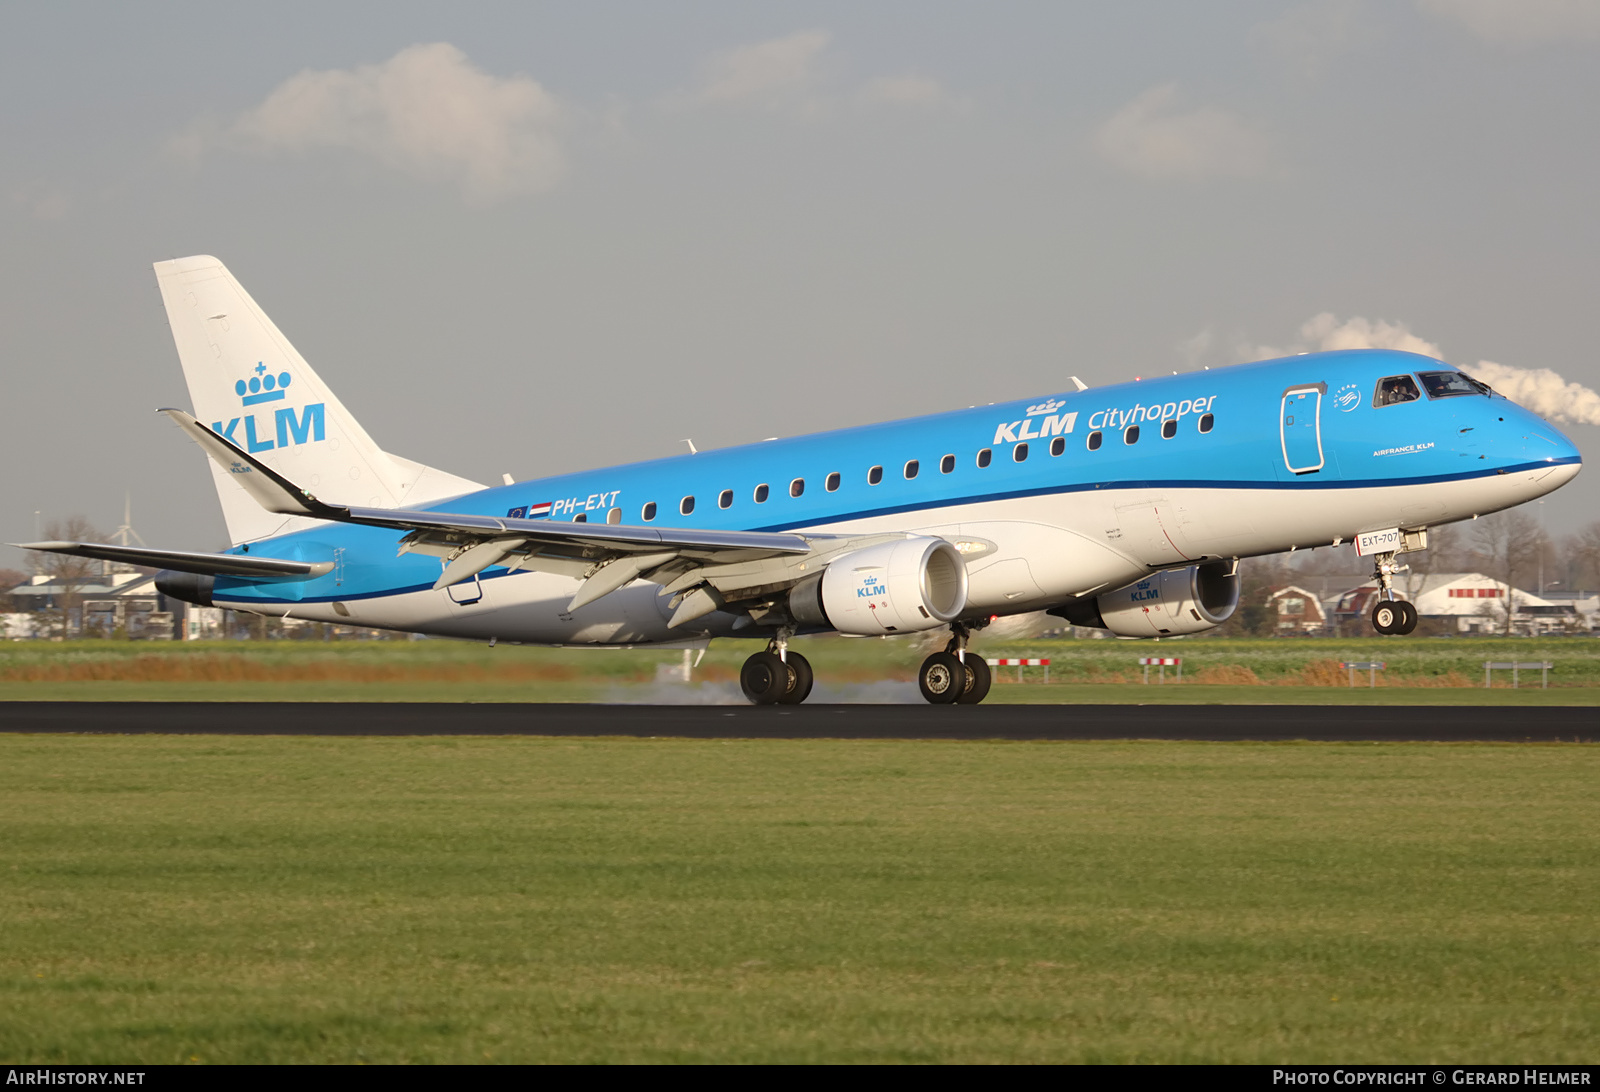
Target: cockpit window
{"points": [[1397, 388], [1450, 384]]}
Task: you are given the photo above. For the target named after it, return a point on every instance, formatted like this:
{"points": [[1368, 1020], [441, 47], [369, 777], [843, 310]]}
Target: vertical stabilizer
{"points": [[249, 384]]}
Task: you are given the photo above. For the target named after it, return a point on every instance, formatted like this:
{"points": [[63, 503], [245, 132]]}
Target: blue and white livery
{"points": [[1126, 507]]}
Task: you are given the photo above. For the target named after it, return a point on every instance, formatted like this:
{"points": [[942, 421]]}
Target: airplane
{"points": [[1125, 508]]}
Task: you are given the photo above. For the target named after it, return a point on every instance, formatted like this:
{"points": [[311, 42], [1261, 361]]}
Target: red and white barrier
{"points": [[1161, 663], [1020, 664]]}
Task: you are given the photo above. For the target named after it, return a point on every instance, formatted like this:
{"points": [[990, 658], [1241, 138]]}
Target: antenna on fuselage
{"points": [[692, 449]]}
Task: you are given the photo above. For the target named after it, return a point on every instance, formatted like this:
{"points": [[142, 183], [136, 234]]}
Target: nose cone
{"points": [[1566, 450], [1541, 442]]}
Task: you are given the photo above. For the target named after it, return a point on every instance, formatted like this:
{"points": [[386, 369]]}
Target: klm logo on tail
{"points": [[308, 426]]}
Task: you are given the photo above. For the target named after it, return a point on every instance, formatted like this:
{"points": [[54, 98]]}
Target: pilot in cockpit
{"points": [[1397, 388]]}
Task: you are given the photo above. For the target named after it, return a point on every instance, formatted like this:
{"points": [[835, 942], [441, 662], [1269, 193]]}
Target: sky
{"points": [[534, 238]]}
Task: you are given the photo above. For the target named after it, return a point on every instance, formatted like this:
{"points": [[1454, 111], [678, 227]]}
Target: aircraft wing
{"points": [[606, 556], [259, 568]]}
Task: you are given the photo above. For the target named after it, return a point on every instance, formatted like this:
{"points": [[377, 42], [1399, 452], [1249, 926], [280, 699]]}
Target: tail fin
{"points": [[251, 386]]}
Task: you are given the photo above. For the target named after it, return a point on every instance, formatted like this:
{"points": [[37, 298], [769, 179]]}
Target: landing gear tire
{"points": [[1389, 616], [764, 678], [767, 679], [1409, 621], [942, 679], [800, 679], [978, 680]]}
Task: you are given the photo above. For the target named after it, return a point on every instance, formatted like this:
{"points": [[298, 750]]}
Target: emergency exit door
{"points": [[1300, 427]]}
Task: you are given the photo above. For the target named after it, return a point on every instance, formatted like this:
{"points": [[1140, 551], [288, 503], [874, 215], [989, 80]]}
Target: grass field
{"points": [[231, 900], [1420, 671]]}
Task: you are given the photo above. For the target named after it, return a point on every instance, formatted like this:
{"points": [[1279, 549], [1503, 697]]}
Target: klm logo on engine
{"points": [[1145, 590], [286, 426], [870, 588]]}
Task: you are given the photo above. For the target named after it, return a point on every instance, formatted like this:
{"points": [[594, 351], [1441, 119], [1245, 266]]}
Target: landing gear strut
{"points": [[1391, 615], [776, 676], [954, 676]]}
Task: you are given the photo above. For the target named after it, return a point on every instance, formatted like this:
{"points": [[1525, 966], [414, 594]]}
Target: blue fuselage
{"points": [[1281, 429]]}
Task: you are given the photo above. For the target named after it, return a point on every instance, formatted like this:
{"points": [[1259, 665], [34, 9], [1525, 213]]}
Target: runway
{"points": [[1264, 723]]}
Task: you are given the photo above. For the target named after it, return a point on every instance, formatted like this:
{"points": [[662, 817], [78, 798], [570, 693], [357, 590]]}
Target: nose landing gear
{"points": [[1391, 615], [1394, 616], [954, 676], [776, 676]]}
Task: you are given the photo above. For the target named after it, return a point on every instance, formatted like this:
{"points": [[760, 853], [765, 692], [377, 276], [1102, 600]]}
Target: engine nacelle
{"points": [[893, 587], [1169, 603]]}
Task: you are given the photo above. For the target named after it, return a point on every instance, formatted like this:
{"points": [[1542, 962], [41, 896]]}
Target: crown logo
{"points": [[262, 387], [1049, 406]]}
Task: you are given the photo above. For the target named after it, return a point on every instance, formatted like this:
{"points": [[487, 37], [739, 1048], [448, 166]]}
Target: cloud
{"points": [[1521, 22], [427, 111], [1539, 389], [1307, 37], [1154, 137], [1328, 334], [1325, 333], [791, 74], [42, 203], [1542, 391], [775, 72], [904, 91]]}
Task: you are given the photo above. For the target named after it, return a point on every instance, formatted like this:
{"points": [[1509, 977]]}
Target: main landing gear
{"points": [[1391, 615], [776, 676], [954, 676]]}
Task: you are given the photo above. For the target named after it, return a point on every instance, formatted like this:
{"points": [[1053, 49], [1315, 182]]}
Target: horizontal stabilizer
{"points": [[259, 568], [266, 486]]}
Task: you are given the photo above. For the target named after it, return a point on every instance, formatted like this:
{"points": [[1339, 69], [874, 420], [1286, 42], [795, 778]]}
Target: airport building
{"points": [[110, 600]]}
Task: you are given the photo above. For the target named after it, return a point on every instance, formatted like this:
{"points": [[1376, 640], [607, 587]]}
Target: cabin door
{"points": [[1300, 427]]}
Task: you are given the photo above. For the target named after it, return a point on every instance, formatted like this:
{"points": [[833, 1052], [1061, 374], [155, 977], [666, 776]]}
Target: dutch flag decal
{"points": [[539, 511]]}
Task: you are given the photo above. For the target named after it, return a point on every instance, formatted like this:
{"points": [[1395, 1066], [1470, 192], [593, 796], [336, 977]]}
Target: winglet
{"points": [[266, 486]]}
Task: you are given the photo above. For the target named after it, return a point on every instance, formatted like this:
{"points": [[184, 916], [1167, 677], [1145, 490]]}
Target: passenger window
{"points": [[761, 493], [983, 458], [614, 516], [1208, 421], [1131, 434], [649, 512], [1058, 445], [1396, 389], [725, 499], [1094, 441], [1020, 453], [911, 469], [1169, 429], [875, 475], [686, 505], [947, 464], [797, 487], [832, 483], [581, 517]]}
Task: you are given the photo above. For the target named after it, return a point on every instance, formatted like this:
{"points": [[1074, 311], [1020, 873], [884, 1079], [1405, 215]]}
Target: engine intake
{"points": [[1167, 604], [894, 587]]}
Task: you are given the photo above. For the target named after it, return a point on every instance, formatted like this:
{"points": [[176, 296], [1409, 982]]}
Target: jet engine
{"points": [[1166, 604], [894, 587]]}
